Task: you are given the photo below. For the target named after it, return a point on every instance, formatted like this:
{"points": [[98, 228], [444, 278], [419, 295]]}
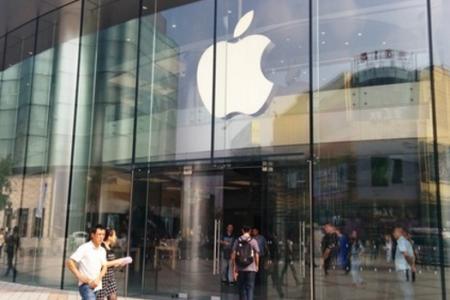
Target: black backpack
{"points": [[244, 253]]}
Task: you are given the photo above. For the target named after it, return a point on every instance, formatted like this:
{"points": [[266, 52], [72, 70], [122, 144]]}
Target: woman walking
{"points": [[109, 284]]}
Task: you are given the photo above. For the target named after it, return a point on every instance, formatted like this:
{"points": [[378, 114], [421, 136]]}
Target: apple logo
{"points": [[241, 86]]}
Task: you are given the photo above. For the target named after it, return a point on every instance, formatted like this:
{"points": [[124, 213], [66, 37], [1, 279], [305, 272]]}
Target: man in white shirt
{"points": [[88, 264], [404, 263]]}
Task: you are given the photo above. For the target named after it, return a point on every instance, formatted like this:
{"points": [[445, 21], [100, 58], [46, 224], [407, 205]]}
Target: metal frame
{"points": [[311, 155], [436, 151]]}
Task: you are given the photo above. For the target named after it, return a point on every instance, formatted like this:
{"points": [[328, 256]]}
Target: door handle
{"points": [[216, 246]]}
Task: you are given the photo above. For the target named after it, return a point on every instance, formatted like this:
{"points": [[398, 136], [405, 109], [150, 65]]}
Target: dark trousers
{"points": [[246, 285], [327, 265], [10, 256], [261, 276]]}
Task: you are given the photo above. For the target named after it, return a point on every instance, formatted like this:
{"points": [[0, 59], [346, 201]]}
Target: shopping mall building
{"points": [[167, 120]]}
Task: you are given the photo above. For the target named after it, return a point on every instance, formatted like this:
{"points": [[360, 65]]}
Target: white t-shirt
{"points": [[403, 245], [90, 260]]}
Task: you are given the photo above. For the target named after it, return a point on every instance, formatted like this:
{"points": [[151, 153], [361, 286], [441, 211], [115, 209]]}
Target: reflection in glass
{"points": [[262, 81], [101, 179], [373, 140], [172, 122], [440, 11]]}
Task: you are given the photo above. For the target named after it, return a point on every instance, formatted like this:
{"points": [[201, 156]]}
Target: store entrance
{"points": [[179, 218]]}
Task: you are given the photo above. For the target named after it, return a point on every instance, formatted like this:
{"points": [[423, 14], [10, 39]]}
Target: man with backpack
{"points": [[245, 257]]}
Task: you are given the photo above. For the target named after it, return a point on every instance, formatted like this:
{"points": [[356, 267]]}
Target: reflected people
{"points": [[12, 246], [356, 251], [226, 242], [328, 246], [343, 251], [404, 263], [289, 263], [272, 263]]}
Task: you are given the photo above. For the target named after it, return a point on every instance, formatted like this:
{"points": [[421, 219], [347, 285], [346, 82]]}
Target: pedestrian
{"points": [[262, 244], [343, 249], [356, 250], [2, 240], [388, 248], [245, 258], [272, 263], [408, 236], [109, 284], [88, 264], [404, 263], [227, 242], [12, 245], [289, 263], [328, 246]]}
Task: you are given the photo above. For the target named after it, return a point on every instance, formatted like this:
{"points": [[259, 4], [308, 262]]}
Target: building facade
{"points": [[168, 120]]}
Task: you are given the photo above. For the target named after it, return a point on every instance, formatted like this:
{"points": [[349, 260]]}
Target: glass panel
{"points": [[262, 77], [101, 177], [181, 214], [375, 197], [440, 12], [44, 189], [15, 101], [172, 121]]}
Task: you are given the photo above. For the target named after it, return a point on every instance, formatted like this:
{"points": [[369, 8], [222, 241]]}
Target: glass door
{"points": [[271, 196], [175, 224], [180, 216]]}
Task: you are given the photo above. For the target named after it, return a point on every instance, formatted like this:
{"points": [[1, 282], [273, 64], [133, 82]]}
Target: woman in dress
{"points": [[109, 285]]}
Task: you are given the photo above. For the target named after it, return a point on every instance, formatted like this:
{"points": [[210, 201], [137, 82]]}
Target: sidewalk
{"points": [[9, 291]]}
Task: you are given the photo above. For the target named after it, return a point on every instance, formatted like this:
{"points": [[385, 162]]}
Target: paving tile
{"points": [[16, 291]]}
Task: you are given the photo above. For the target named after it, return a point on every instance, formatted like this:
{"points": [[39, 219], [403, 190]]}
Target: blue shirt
{"points": [[344, 248], [261, 244]]}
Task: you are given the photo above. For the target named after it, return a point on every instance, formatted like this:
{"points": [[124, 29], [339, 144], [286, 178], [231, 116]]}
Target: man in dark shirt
{"points": [[12, 245], [328, 246]]}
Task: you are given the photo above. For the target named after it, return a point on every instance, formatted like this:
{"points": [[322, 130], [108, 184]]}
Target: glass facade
{"points": [[168, 121]]}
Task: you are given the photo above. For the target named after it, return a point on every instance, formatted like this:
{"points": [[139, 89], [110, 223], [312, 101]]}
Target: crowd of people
{"points": [[346, 251], [247, 259]]}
